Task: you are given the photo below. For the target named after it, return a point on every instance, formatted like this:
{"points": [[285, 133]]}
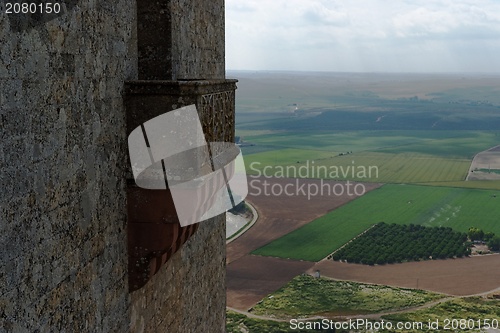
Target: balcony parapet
{"points": [[154, 232]]}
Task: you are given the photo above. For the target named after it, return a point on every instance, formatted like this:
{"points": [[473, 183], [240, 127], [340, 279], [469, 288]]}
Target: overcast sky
{"points": [[364, 35]]}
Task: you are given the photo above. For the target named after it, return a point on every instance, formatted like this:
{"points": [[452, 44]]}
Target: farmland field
{"points": [[399, 156], [417, 134], [453, 144], [390, 243], [414, 128], [401, 204], [460, 277], [264, 92], [384, 167]]}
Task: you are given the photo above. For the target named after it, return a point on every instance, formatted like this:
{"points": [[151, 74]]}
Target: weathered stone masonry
{"points": [[63, 168]]}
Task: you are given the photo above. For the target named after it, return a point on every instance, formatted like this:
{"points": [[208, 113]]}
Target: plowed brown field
{"points": [[460, 277]]}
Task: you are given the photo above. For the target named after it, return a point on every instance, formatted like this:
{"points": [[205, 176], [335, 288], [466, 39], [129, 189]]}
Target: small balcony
{"points": [[154, 231]]}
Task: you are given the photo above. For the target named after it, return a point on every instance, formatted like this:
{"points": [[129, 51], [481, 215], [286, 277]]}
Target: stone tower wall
{"points": [[63, 165]]}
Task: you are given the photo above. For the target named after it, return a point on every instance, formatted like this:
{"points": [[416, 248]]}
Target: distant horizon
{"points": [[358, 72], [422, 36]]}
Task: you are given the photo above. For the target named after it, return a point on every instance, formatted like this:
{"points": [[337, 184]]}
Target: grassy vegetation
{"points": [[401, 204], [306, 296], [475, 308], [238, 323]]}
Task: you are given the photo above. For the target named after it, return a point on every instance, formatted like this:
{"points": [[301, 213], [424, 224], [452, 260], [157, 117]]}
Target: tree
{"points": [[369, 261], [494, 243], [488, 236], [381, 260], [475, 234]]}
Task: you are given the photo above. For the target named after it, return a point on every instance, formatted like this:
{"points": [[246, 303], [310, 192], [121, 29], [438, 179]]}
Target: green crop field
{"points": [[401, 204], [365, 166], [452, 144], [398, 156]]}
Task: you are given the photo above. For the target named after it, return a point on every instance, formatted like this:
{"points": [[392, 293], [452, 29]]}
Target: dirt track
{"points": [[459, 277]]}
